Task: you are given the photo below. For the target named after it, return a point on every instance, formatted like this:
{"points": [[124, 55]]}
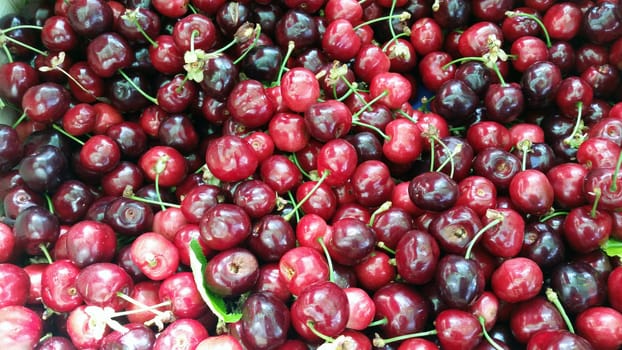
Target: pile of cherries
{"points": [[324, 174]]}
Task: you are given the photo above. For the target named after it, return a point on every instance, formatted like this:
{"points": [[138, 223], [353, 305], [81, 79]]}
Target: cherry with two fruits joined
{"points": [[207, 174]]}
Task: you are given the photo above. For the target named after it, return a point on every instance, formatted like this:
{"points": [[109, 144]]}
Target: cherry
{"points": [[45, 102], [405, 143], [417, 256], [232, 272], [340, 41], [320, 308], [477, 193], [181, 292], [164, 164], [459, 281], [457, 329], [590, 326], [21, 327], [562, 21], [517, 279], [99, 283], [237, 163], [224, 341], [154, 255], [454, 228], [434, 191], [351, 241], [89, 18], [58, 286], [280, 173], [532, 202], [89, 242], [17, 285], [577, 297], [265, 321], [183, 331], [224, 226], [557, 339], [530, 317], [302, 267], [585, 229], [107, 53]]}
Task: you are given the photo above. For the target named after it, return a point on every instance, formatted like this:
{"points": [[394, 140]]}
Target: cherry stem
{"points": [[21, 26], [46, 253], [369, 126], [552, 296], [140, 91], [329, 260], [614, 177], [289, 215], [49, 203], [597, 194], [132, 16], [402, 16], [487, 336], [449, 159], [380, 322], [64, 132], [324, 337], [494, 66], [56, 64], [293, 200], [552, 215], [525, 147], [192, 9], [7, 53], [384, 247], [151, 201], [380, 342], [534, 18], [250, 47], [143, 307], [4, 38], [391, 29], [381, 209], [481, 232], [294, 160], [354, 88], [290, 48], [572, 139], [369, 104], [19, 120], [432, 154]]}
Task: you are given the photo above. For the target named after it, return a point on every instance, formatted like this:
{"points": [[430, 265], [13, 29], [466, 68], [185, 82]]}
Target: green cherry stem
{"points": [[575, 139], [290, 49], [384, 247], [552, 215], [46, 253], [140, 91], [525, 147], [380, 342], [294, 160], [19, 120], [380, 322], [329, 260], [289, 215], [487, 336], [404, 16], [324, 337], [536, 19], [293, 200], [62, 131], [251, 46], [498, 218], [597, 194], [132, 16], [381, 209], [616, 172], [552, 296]]}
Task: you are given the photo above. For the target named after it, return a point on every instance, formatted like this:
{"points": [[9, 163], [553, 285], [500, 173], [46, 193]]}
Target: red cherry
{"points": [[517, 279]]}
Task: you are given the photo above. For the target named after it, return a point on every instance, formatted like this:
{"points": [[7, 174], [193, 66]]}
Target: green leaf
{"points": [[613, 247], [215, 302]]}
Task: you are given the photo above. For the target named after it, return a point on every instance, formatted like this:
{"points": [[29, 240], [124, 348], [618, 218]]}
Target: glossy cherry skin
{"points": [[17, 283], [416, 256], [184, 297], [338, 158], [231, 159], [280, 173], [154, 255], [532, 316], [165, 162], [328, 120], [557, 339], [543, 245], [577, 297], [89, 242], [372, 184], [99, 283], [224, 226], [58, 286], [585, 232], [21, 327], [90, 17], [392, 301], [517, 279], [351, 241], [265, 321], [340, 42], [323, 304], [454, 228], [459, 281], [405, 144], [531, 192], [497, 165], [434, 191], [232, 272], [107, 53], [185, 331], [592, 325], [301, 267], [457, 329], [478, 193]]}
